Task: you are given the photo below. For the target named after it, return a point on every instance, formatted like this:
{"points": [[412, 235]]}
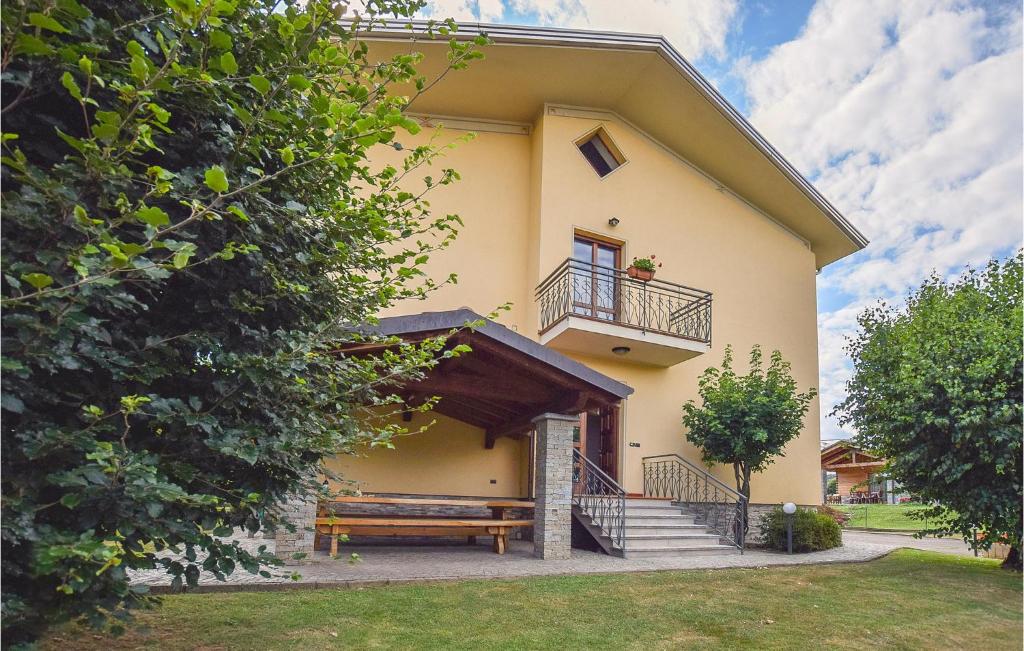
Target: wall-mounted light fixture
{"points": [[620, 350], [614, 221]]}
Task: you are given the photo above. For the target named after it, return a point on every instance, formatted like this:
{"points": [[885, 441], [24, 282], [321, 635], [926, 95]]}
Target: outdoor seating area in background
{"points": [[865, 497]]}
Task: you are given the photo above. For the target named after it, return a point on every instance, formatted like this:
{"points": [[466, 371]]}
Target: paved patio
{"points": [[378, 565]]}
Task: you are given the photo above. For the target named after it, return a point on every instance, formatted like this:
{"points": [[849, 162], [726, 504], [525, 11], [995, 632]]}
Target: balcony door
{"points": [[594, 284]]}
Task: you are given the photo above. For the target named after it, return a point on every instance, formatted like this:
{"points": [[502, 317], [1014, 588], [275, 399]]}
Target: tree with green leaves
{"points": [[192, 229], [746, 420], [937, 391], [832, 486]]}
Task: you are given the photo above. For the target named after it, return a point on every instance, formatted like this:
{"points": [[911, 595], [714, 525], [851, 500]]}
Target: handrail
{"points": [[720, 508], [711, 478], [700, 293], [600, 497], [591, 291]]}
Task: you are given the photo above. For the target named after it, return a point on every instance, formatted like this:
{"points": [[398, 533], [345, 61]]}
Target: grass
{"points": [[908, 600], [882, 516]]}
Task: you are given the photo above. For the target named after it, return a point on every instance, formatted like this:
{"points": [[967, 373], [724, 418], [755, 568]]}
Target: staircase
{"points": [[685, 511], [657, 527]]}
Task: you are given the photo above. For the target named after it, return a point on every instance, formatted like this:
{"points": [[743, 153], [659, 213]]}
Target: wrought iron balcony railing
{"points": [[719, 507], [590, 291]]}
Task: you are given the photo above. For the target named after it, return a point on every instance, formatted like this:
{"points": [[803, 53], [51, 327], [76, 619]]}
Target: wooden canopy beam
{"points": [[482, 366], [478, 388], [570, 402], [859, 464], [542, 371]]}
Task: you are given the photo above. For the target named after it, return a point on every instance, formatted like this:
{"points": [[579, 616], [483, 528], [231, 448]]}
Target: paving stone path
{"points": [[397, 564], [895, 540]]}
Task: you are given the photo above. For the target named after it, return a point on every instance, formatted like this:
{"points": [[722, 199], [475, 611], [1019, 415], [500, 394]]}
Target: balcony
{"points": [[602, 312]]}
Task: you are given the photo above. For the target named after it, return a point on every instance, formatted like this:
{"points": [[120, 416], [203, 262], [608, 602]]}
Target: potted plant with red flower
{"points": [[643, 268]]}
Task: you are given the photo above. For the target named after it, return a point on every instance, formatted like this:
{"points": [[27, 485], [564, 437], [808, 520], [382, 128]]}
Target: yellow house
{"points": [[592, 149]]}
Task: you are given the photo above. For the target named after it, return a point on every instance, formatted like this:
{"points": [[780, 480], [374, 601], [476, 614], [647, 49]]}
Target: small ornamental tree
{"points": [[937, 391], [746, 420], [191, 229]]}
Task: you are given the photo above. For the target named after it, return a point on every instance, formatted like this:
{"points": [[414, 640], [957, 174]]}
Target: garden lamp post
{"points": [[789, 509]]}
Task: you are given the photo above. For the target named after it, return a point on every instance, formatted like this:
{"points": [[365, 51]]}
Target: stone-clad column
{"points": [[552, 533], [300, 511]]}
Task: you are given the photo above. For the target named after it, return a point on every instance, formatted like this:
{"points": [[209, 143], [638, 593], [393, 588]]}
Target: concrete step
{"points": [[652, 510], [663, 529], [633, 520], [648, 501], [672, 551], [675, 541]]}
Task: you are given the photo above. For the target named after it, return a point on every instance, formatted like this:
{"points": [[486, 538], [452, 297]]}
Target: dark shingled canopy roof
{"points": [[506, 381]]}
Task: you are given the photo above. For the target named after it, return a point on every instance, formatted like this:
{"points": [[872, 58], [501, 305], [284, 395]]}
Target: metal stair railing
{"points": [[600, 498], [719, 507]]}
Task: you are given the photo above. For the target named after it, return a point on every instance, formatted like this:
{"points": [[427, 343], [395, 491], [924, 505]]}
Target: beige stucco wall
{"points": [[493, 199], [761, 275], [447, 459], [522, 196]]}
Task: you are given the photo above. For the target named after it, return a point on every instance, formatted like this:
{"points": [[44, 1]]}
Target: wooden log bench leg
{"points": [[500, 543], [334, 541], [471, 540]]}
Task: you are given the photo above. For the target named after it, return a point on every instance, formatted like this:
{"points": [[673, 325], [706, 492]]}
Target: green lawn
{"points": [[882, 516], [908, 600]]}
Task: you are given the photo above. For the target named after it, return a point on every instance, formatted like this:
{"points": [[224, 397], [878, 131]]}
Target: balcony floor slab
{"points": [[597, 339]]}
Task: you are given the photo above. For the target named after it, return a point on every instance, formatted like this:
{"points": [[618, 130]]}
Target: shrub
{"points": [[812, 531], [840, 517]]}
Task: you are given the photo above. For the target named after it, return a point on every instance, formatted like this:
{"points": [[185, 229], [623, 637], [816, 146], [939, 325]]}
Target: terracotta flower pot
{"points": [[640, 274]]}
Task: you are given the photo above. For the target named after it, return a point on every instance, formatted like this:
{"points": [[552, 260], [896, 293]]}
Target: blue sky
{"points": [[906, 114]]}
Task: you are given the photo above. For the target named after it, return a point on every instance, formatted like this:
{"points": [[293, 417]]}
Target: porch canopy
{"points": [[506, 382], [509, 385]]}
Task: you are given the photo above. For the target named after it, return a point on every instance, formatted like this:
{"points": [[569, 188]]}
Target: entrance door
{"points": [[599, 439], [609, 437], [593, 278]]}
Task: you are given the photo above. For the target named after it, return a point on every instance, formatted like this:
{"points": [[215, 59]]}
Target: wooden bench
{"points": [[499, 525]]}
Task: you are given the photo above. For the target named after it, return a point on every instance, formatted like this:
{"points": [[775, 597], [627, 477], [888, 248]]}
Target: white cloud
{"points": [[695, 27], [907, 115]]}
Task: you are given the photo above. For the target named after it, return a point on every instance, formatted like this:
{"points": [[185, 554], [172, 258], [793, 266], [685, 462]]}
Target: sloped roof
{"points": [[504, 383], [437, 322], [833, 455], [642, 78]]}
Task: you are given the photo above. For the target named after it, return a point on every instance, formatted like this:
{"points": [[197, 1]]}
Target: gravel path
{"points": [[397, 564]]}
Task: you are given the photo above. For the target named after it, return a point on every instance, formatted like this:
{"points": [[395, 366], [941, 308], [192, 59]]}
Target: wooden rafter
{"points": [[859, 464], [502, 384]]}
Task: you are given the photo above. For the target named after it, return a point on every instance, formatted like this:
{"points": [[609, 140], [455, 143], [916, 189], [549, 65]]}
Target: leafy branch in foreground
{"points": [[192, 229]]}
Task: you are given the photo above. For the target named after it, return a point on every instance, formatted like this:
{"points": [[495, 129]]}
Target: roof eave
{"points": [[430, 322], [512, 34]]}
